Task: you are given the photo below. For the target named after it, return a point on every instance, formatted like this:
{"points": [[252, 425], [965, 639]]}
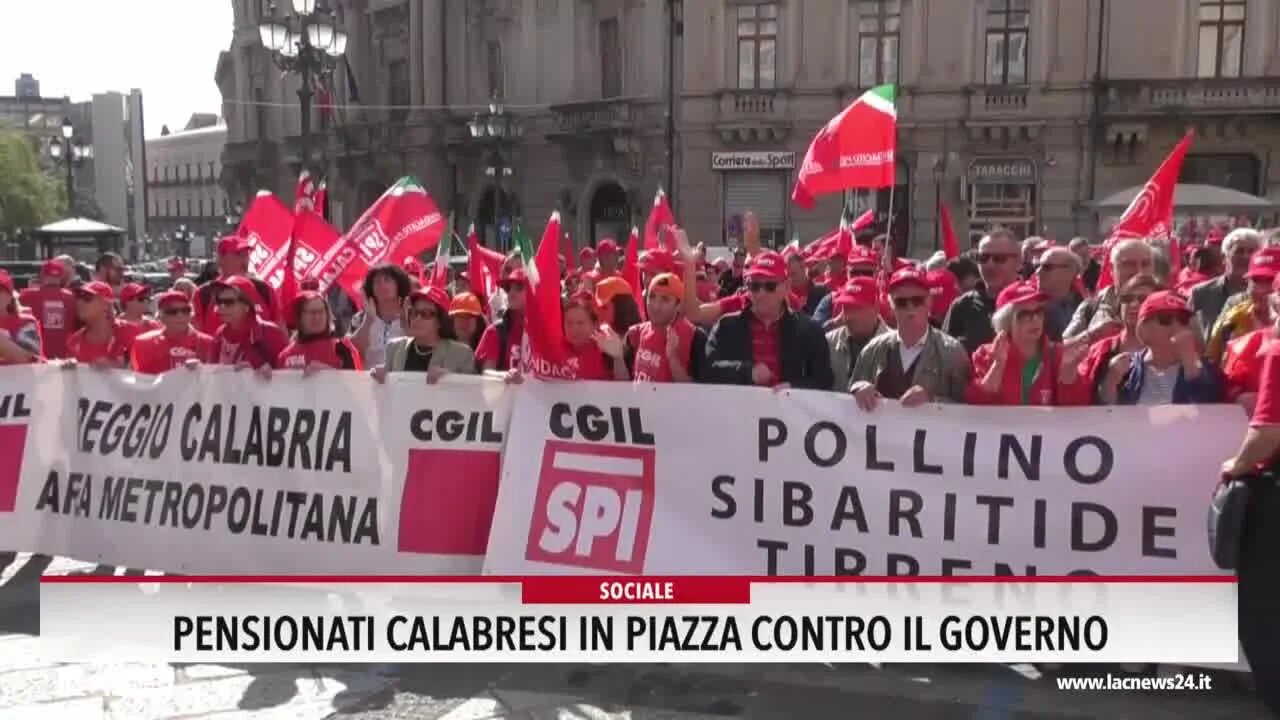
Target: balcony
{"points": [[999, 101], [1210, 96], [596, 117], [753, 116]]}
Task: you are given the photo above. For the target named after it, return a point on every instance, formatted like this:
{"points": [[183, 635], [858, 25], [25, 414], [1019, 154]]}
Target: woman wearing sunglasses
{"points": [[430, 345], [1131, 296], [1022, 366], [1168, 369]]}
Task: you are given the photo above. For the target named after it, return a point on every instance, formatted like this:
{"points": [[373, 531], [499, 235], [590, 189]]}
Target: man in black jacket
{"points": [[767, 344]]}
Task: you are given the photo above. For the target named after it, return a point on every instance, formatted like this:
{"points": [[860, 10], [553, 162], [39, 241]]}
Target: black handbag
{"points": [[1226, 521]]}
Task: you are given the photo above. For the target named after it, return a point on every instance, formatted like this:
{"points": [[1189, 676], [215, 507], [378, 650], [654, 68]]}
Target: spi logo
{"points": [[371, 241], [593, 507], [14, 414]]}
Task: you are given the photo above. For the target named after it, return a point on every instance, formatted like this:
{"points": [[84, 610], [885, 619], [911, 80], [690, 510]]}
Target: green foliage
{"points": [[29, 196]]}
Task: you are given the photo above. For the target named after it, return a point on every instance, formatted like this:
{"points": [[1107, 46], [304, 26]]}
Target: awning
{"points": [[1192, 197], [78, 226]]}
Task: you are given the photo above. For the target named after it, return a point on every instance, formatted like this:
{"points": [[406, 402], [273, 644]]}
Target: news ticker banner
{"points": [[577, 619], [219, 471], [612, 478]]}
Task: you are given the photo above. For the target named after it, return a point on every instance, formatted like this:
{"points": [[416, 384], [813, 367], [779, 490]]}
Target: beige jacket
{"points": [[943, 369], [450, 356], [842, 360]]}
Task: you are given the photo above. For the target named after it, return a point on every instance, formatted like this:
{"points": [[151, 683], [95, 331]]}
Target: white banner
{"points": [[671, 479], [217, 471]]}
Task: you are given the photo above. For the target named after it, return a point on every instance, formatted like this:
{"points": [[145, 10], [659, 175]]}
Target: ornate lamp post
{"points": [[70, 151], [309, 44], [497, 130]]}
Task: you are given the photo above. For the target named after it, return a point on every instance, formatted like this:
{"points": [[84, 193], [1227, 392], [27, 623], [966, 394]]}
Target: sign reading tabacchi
{"points": [[753, 160]]}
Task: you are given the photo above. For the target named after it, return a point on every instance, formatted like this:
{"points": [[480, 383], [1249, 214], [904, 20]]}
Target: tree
{"points": [[29, 196]]}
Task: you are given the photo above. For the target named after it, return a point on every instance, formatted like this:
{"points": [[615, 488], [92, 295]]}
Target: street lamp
{"points": [[308, 43], [497, 129], [70, 151], [182, 241]]}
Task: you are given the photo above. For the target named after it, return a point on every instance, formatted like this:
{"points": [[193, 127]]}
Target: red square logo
{"points": [[449, 496], [593, 507], [13, 446]]}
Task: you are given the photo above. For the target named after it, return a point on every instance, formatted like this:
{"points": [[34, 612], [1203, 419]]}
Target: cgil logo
{"points": [[593, 507]]}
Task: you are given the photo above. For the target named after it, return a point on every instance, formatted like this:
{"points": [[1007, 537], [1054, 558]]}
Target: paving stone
{"points": [[21, 652], [86, 708], [277, 692]]}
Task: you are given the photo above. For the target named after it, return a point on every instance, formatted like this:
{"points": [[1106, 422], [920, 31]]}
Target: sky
{"points": [[166, 48]]}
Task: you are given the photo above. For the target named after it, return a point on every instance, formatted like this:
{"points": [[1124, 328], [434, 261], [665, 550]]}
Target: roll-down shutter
{"points": [[761, 193]]}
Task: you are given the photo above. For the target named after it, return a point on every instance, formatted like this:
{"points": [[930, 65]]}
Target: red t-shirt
{"points": [[115, 349], [24, 330], [487, 349], [258, 344], [55, 309], [155, 352], [324, 350], [589, 363], [146, 324], [736, 302], [650, 343], [1267, 411], [765, 348]]}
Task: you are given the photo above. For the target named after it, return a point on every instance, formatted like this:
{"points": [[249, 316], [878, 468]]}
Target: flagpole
{"points": [[888, 225]]}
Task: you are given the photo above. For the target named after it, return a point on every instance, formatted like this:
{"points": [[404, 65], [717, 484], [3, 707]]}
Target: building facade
{"points": [[112, 123], [1013, 112], [185, 198]]}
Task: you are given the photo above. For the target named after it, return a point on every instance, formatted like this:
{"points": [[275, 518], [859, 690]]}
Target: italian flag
{"points": [[856, 149]]}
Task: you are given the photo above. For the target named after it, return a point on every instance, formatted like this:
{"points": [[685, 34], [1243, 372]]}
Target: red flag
{"points": [[401, 224], [313, 239], [544, 316], [267, 225], [828, 245], [856, 149], [304, 193], [631, 267], [321, 198], [1150, 214], [950, 243], [660, 218], [483, 267]]}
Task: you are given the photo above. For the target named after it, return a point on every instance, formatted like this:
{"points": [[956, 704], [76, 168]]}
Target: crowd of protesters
{"points": [[1011, 322]]}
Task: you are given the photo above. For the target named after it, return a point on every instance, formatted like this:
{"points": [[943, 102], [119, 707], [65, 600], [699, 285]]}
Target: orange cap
{"points": [[465, 304], [668, 284], [610, 287]]}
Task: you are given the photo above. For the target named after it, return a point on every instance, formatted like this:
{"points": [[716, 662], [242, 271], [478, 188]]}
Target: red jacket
{"points": [[1045, 390], [1242, 362], [259, 345]]}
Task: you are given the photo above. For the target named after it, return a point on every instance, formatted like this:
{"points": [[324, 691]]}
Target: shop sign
{"points": [[1002, 171], [726, 161]]}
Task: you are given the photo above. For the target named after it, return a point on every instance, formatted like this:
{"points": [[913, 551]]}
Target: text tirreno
{"points": [[639, 633], [861, 500], [308, 516], [267, 437]]}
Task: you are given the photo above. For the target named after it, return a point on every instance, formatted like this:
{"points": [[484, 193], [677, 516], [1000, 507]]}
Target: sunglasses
{"points": [[227, 301], [762, 286], [1167, 319], [862, 272], [425, 314], [910, 301], [998, 258], [1029, 313], [176, 311]]}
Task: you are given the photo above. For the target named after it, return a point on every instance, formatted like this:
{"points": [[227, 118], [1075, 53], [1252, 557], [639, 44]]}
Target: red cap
{"points": [[607, 245], [943, 288], [176, 263], [1020, 293], [6, 281], [170, 298], [1215, 237], [768, 265], [1163, 301], [1264, 265], [862, 256], [660, 260], [908, 276], [232, 244], [858, 292], [242, 285], [438, 296], [97, 288], [53, 269], [587, 254], [134, 291], [517, 275]]}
